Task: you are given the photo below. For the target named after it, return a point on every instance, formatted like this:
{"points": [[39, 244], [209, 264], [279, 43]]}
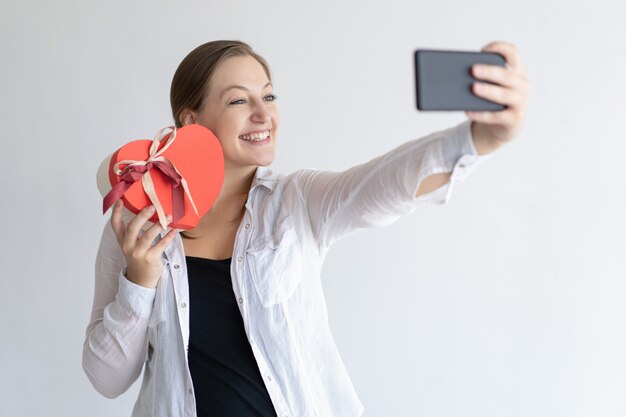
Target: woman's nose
{"points": [[261, 113]]}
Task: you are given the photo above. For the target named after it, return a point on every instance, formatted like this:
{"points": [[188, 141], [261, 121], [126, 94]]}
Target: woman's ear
{"points": [[188, 117]]}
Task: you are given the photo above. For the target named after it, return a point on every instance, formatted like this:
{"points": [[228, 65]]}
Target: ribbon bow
{"points": [[137, 169]]}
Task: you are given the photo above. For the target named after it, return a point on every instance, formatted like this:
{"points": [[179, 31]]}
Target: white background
{"points": [[508, 301]]}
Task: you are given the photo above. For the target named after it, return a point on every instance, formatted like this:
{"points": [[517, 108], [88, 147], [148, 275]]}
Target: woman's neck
{"points": [[228, 209], [237, 181]]}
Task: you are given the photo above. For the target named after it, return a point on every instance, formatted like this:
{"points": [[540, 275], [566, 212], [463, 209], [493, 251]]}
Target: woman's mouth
{"points": [[256, 137]]}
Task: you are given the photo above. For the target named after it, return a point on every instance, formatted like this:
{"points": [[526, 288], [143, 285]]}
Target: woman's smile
{"points": [[258, 137]]}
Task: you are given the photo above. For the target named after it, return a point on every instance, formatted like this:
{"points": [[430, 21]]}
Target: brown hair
{"points": [[194, 73]]}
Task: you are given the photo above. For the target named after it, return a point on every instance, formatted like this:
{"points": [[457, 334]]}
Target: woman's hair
{"points": [[194, 73]]}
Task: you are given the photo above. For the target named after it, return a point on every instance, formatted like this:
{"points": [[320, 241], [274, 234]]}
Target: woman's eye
{"points": [[269, 97]]}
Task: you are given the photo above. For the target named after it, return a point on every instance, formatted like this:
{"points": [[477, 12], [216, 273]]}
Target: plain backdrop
{"points": [[507, 301]]}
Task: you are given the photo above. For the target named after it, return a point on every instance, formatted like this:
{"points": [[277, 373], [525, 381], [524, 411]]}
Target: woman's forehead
{"points": [[241, 71]]}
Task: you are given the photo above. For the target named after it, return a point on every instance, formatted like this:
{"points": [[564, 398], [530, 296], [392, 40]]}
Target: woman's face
{"points": [[240, 110]]}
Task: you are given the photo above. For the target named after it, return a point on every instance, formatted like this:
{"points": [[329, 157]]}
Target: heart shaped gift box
{"points": [[180, 173]]}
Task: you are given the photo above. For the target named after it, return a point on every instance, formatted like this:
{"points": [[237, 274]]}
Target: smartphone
{"points": [[443, 80]]}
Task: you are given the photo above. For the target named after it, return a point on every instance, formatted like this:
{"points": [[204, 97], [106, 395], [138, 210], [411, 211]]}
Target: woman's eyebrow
{"points": [[241, 87]]}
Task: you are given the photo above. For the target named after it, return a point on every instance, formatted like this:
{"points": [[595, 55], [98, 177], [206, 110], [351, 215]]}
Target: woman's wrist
{"points": [[483, 142]]}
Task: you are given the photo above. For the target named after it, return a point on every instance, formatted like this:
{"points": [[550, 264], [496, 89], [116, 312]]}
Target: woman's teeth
{"points": [[256, 137]]}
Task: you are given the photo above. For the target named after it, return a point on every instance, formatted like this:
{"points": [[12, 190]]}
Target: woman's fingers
{"points": [[510, 97], [504, 85], [499, 75], [133, 228], [128, 235], [160, 246], [117, 224], [146, 240], [509, 52], [511, 85]]}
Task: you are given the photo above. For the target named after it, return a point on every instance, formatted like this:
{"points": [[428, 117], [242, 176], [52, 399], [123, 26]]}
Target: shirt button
{"points": [[176, 266], [190, 391], [462, 165], [183, 304], [239, 259], [269, 378], [240, 300], [247, 226]]}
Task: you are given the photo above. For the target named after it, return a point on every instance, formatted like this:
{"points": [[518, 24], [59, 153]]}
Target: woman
{"points": [[229, 318]]}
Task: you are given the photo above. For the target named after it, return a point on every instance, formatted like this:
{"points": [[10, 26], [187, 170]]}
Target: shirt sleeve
{"points": [[380, 191], [116, 339]]}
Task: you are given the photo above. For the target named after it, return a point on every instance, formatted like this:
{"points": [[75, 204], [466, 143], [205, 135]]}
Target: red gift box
{"points": [[180, 173]]}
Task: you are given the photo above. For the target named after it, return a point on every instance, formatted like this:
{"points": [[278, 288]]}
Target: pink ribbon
{"points": [[137, 169]]}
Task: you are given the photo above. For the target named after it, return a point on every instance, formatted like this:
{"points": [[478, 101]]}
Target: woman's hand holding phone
{"points": [[508, 86], [143, 257]]}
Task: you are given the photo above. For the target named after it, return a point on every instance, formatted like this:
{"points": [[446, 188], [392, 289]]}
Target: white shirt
{"points": [[288, 226]]}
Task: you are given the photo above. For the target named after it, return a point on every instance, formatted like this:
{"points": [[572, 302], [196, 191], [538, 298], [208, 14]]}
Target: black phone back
{"points": [[443, 80]]}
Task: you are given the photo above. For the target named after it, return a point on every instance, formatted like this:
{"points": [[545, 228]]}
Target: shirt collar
{"points": [[264, 177]]}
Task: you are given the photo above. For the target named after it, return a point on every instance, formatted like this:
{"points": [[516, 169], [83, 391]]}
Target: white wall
{"points": [[508, 301]]}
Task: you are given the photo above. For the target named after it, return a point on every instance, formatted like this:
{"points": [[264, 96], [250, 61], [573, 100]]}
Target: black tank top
{"points": [[225, 375]]}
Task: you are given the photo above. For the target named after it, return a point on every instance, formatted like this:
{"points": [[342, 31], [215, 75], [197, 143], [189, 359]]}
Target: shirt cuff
{"points": [[135, 298], [468, 159], [458, 156]]}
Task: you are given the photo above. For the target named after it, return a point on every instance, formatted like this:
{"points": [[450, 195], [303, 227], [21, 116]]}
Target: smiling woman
{"points": [[229, 319]]}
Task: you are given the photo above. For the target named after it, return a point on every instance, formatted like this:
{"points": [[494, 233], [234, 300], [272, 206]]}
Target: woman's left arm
{"points": [[492, 129]]}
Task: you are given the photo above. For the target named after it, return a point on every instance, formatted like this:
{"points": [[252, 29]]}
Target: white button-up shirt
{"points": [[288, 226]]}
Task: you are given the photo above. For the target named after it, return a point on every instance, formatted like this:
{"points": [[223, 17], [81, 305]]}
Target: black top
{"points": [[225, 375]]}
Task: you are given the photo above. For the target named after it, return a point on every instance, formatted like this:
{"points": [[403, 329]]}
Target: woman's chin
{"points": [[265, 159], [254, 163], [266, 163]]}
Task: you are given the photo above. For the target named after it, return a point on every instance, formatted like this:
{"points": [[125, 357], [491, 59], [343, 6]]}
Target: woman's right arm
{"points": [[378, 192], [115, 344]]}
